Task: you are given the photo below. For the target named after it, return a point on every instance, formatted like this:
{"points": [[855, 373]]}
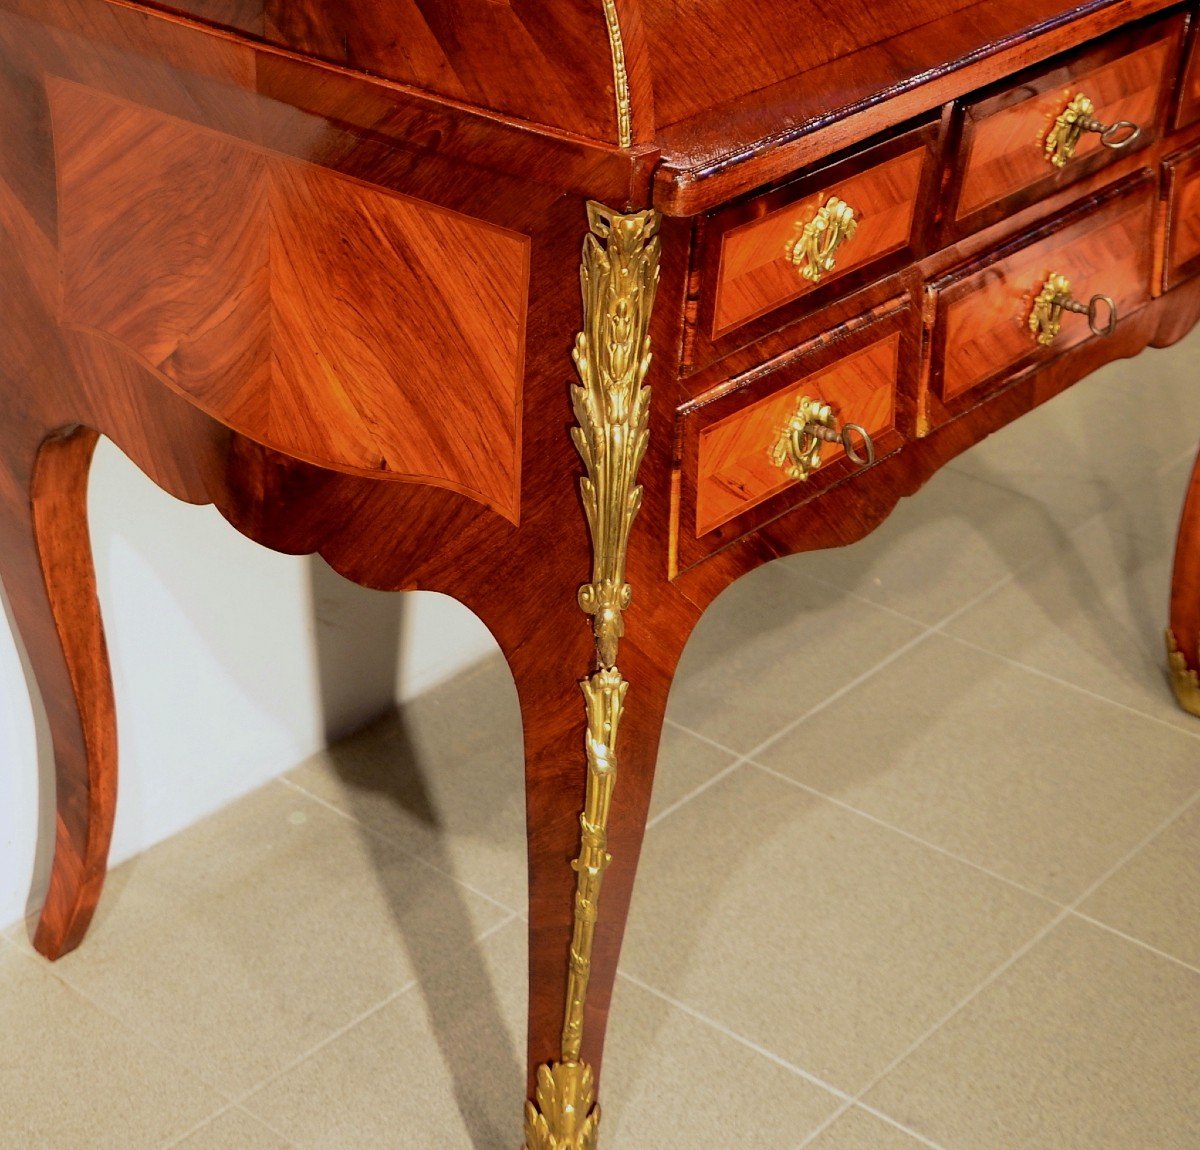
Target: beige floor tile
{"points": [[234, 1130], [72, 1076], [859, 1129], [684, 763], [1088, 1041], [813, 932], [941, 549], [674, 1083], [254, 935], [1094, 616], [1077, 456], [1031, 779], [774, 645], [443, 777], [443, 1065], [1156, 895]]}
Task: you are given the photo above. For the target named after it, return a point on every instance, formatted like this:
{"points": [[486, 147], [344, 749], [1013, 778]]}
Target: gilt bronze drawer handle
{"points": [[1045, 321], [798, 449], [1079, 116], [814, 250]]}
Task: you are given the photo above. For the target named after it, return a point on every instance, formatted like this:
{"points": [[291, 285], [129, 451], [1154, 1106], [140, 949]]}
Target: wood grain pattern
{"points": [[51, 586], [894, 185], [982, 330], [308, 311], [182, 144], [1182, 172], [1188, 110], [755, 274], [735, 471], [727, 484], [730, 149], [1005, 133]]}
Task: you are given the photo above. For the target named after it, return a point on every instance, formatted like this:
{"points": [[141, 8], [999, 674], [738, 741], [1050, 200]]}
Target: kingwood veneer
{"points": [[318, 262]]}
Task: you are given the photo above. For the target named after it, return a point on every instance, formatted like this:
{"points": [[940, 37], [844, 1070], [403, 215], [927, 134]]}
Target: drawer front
{"points": [[732, 481], [1183, 224], [982, 332], [1005, 162], [794, 244]]}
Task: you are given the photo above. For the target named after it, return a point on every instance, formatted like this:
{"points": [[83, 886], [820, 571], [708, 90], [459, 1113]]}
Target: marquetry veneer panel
{"points": [[981, 331], [322, 316], [747, 283], [1128, 77]]}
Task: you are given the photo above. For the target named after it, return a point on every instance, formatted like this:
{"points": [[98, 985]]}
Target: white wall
{"points": [[216, 647]]}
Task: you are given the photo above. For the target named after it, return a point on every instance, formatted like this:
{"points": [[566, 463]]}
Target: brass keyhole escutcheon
{"points": [[1078, 117], [814, 250], [798, 448], [1046, 318]]}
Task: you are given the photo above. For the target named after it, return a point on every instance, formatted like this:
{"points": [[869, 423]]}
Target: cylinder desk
{"points": [[573, 311]]}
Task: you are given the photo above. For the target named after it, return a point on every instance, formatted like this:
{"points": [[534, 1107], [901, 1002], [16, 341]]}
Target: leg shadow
{"points": [[383, 775]]}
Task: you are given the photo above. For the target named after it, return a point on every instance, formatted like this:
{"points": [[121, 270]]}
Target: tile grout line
{"points": [[818, 707], [695, 792], [176, 1141], [341, 1031], [345, 1029], [921, 1039], [1012, 960], [235, 1103], [740, 1039], [1183, 730], [236, 1100], [899, 1125], [1135, 940], [669, 722], [288, 1143], [1056, 903], [932, 629], [840, 693], [380, 836]]}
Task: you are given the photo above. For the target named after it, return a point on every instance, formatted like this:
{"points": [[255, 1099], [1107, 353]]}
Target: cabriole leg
{"points": [[1183, 636], [619, 278], [46, 565]]}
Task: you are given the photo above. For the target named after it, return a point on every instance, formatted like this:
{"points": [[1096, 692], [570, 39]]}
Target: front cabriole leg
{"points": [[619, 277]]}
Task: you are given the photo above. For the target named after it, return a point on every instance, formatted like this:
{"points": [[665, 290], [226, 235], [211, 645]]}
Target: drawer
{"points": [[1183, 222], [732, 480], [981, 314], [814, 238], [1004, 156]]}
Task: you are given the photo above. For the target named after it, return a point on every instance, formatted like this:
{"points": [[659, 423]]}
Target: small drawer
{"points": [[814, 238], [732, 481], [1018, 143], [982, 330], [1183, 222]]}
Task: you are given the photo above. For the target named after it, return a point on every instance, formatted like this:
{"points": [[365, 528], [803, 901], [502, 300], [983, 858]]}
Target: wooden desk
{"points": [[318, 262]]}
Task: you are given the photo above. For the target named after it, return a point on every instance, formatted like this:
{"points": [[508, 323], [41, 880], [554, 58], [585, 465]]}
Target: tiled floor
{"points": [[924, 869]]}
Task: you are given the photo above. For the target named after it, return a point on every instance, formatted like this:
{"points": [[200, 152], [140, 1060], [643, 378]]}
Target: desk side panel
{"points": [[326, 318]]}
